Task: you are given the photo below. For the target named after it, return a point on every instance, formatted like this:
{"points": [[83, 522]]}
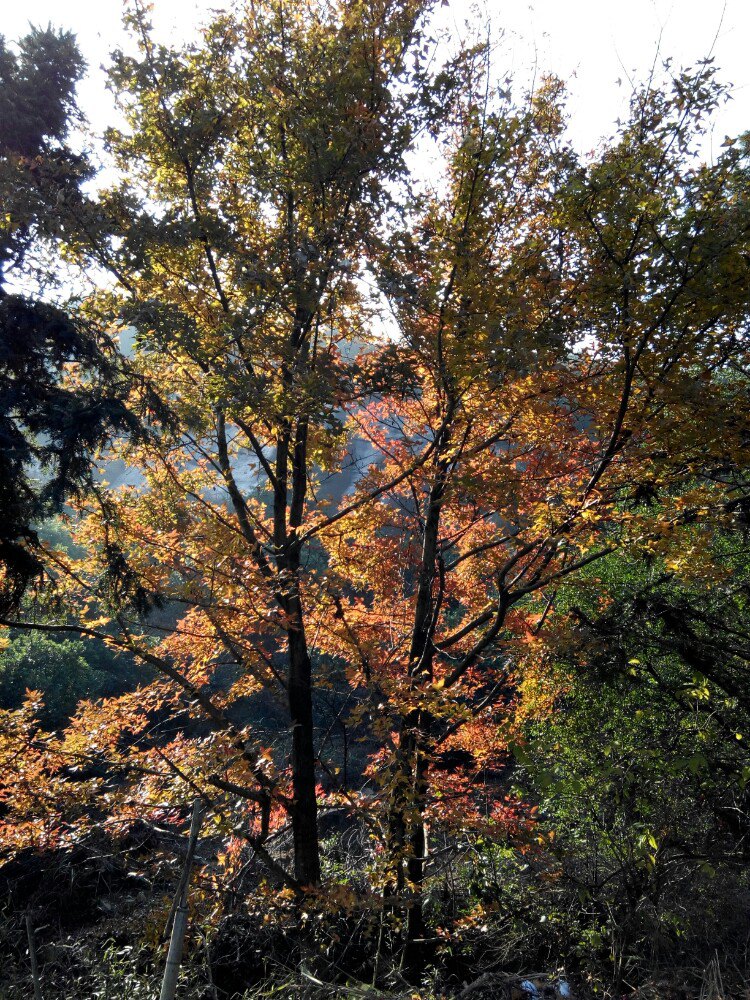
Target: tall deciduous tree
{"points": [[578, 338], [255, 166]]}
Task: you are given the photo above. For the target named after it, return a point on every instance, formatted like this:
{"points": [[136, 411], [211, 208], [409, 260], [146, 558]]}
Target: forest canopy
{"points": [[405, 549]]}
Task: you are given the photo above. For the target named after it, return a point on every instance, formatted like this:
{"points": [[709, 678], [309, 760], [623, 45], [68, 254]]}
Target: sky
{"points": [[592, 44]]}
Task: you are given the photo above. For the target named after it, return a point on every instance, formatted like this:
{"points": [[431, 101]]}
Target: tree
{"points": [[256, 165], [64, 672], [50, 425], [558, 320], [641, 769], [551, 321]]}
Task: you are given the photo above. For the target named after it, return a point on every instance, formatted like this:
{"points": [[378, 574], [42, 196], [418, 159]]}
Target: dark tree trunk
{"points": [[410, 798], [305, 812], [416, 857]]}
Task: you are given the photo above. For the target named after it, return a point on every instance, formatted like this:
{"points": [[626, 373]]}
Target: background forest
{"points": [[374, 570]]}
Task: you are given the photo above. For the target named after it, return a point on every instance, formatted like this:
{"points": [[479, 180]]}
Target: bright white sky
{"points": [[590, 43]]}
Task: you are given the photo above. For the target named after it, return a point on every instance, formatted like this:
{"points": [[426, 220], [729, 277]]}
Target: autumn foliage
{"points": [[402, 414]]}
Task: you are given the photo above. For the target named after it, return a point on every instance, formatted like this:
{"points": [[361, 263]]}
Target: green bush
{"points": [[65, 671]]}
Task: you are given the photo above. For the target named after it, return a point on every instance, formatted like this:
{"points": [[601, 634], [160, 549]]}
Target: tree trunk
{"points": [[305, 811], [33, 959], [413, 747], [415, 926], [179, 925], [411, 828]]}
